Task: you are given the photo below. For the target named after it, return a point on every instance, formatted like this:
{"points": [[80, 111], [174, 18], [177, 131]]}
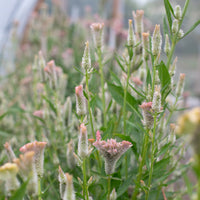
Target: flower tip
{"points": [[98, 135]]}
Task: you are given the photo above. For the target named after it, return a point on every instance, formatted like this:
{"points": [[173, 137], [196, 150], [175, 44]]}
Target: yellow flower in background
{"points": [[189, 121]]}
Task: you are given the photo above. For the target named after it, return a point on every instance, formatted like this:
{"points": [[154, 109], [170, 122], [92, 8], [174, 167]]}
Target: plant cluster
{"points": [[112, 136]]}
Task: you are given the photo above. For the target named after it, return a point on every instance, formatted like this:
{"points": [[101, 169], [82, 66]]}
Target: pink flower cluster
{"points": [[111, 150]]}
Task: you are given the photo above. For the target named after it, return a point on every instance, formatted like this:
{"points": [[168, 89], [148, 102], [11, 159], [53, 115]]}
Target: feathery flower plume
{"points": [[69, 193], [86, 60], [27, 171], [156, 41], [97, 32], [145, 45], [180, 33], [8, 174], [156, 104], [38, 149], [71, 161], [180, 86], [62, 180], [147, 114], [81, 102], [83, 142], [130, 39], [9, 151], [167, 46], [111, 151], [138, 18]]}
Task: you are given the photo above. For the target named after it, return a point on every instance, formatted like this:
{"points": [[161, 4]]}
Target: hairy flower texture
{"points": [[175, 26], [131, 37], [81, 102], [180, 33], [8, 174], [147, 114], [67, 111], [62, 181], [180, 86], [86, 60], [38, 149], [69, 193], [178, 12], [138, 19], [156, 104], [97, 32], [111, 151], [27, 170], [39, 113], [156, 41], [137, 81], [83, 142], [157, 79], [71, 161], [145, 45], [167, 47], [9, 151]]}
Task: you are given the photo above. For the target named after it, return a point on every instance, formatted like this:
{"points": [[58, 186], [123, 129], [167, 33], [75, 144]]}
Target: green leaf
{"points": [[148, 78], [165, 27], [117, 93], [19, 194], [164, 75], [3, 115], [139, 93], [50, 104], [185, 9], [168, 13], [124, 186], [191, 29], [115, 78], [128, 138], [119, 63]]}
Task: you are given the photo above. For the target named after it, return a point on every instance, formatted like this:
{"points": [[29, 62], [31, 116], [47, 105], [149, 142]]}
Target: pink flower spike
{"points": [[111, 150]]}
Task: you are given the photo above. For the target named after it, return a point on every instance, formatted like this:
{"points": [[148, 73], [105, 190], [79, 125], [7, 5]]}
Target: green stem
{"points": [[152, 157], [102, 85], [144, 152], [109, 183], [85, 188], [154, 75], [171, 111], [171, 52], [39, 189], [124, 112], [89, 108]]}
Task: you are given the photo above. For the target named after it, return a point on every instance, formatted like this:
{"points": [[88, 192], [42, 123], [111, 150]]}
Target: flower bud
{"points": [[178, 12], [9, 151], [138, 19], [180, 33], [180, 86], [156, 41], [113, 195], [71, 161], [147, 115], [175, 26], [86, 60], [38, 149], [68, 110], [156, 104], [81, 103], [83, 142], [97, 32], [69, 193], [167, 47], [149, 91], [8, 174], [39, 113], [145, 44], [130, 39]]}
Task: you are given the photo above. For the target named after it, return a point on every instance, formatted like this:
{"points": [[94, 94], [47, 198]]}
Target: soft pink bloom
{"points": [[111, 150], [39, 113]]}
